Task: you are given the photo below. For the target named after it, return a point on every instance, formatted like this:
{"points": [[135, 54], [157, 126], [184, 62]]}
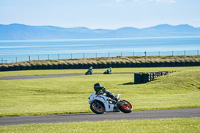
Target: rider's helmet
{"points": [[97, 87]]}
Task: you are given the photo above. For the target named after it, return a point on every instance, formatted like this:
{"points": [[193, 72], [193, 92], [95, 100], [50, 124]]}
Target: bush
{"points": [[71, 65], [197, 62], [157, 63], [75, 65], [44, 66], [90, 64], [99, 64], [192, 62], [177, 63], [109, 64], [55, 65], [113, 63], [118, 63], [80, 66], [95, 65], [16, 67], [65, 65], [60, 65], [50, 65], [172, 63], [33, 66], [28, 67], [136, 61], [162, 63], [39, 66], [10, 67], [104, 64], [86, 66], [167, 63], [4, 68], [22, 67], [123, 63]]}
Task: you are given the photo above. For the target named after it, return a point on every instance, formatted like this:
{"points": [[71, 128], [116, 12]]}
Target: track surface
{"points": [[48, 76], [135, 115]]}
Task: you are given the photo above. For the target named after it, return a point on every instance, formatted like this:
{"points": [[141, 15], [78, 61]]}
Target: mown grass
{"points": [[75, 71], [178, 125], [41, 72], [70, 94]]}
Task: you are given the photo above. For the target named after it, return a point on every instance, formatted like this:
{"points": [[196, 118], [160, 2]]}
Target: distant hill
{"points": [[26, 32]]}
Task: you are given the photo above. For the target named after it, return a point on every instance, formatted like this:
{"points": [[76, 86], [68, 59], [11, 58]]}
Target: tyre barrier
{"points": [[140, 78]]}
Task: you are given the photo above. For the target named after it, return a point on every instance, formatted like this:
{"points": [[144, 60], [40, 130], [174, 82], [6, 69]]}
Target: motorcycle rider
{"points": [[100, 90], [109, 70], [90, 69]]}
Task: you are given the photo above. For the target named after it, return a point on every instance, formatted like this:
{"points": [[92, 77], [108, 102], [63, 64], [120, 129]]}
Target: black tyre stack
{"points": [[148, 77]]}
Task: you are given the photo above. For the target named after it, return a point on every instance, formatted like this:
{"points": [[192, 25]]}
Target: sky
{"points": [[100, 14]]}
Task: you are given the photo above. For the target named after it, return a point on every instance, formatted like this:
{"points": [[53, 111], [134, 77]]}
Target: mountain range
{"points": [[27, 32]]}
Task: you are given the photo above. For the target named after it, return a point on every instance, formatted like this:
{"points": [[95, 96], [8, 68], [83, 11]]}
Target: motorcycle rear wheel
{"points": [[97, 107], [124, 108], [88, 73]]}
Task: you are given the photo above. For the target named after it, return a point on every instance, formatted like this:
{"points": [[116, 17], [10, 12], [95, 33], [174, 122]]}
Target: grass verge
{"points": [[178, 125], [69, 94]]}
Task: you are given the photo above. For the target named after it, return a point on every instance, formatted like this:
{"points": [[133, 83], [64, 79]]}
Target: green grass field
{"points": [[181, 125], [70, 94], [74, 71]]}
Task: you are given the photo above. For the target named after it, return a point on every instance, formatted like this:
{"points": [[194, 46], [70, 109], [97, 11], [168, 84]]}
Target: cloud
{"points": [[163, 1], [160, 1], [125, 0]]}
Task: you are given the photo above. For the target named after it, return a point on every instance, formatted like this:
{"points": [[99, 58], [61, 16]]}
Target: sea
{"points": [[26, 50]]}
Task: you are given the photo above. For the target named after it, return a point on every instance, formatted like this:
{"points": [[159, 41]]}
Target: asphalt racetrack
{"points": [[135, 115], [48, 76]]}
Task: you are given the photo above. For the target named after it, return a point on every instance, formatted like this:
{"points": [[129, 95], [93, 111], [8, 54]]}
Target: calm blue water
{"points": [[13, 51]]}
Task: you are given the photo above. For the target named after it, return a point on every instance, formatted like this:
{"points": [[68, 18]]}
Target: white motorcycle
{"points": [[101, 103]]}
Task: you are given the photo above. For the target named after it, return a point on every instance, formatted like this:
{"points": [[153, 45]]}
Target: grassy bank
{"points": [[103, 62], [181, 125], [69, 94]]}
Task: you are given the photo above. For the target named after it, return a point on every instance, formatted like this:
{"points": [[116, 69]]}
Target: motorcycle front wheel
{"points": [[97, 107], [125, 108]]}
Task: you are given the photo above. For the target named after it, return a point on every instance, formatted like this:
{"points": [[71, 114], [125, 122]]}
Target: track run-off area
{"points": [[57, 118]]}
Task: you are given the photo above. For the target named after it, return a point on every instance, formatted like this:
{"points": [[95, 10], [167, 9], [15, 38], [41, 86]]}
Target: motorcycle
{"points": [[101, 103], [89, 72], [107, 72]]}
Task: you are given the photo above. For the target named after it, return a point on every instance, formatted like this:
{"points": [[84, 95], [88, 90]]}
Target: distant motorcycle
{"points": [[107, 72], [101, 103], [89, 72]]}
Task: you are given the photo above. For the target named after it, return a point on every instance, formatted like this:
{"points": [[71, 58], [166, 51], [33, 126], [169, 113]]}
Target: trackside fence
{"points": [[20, 58]]}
